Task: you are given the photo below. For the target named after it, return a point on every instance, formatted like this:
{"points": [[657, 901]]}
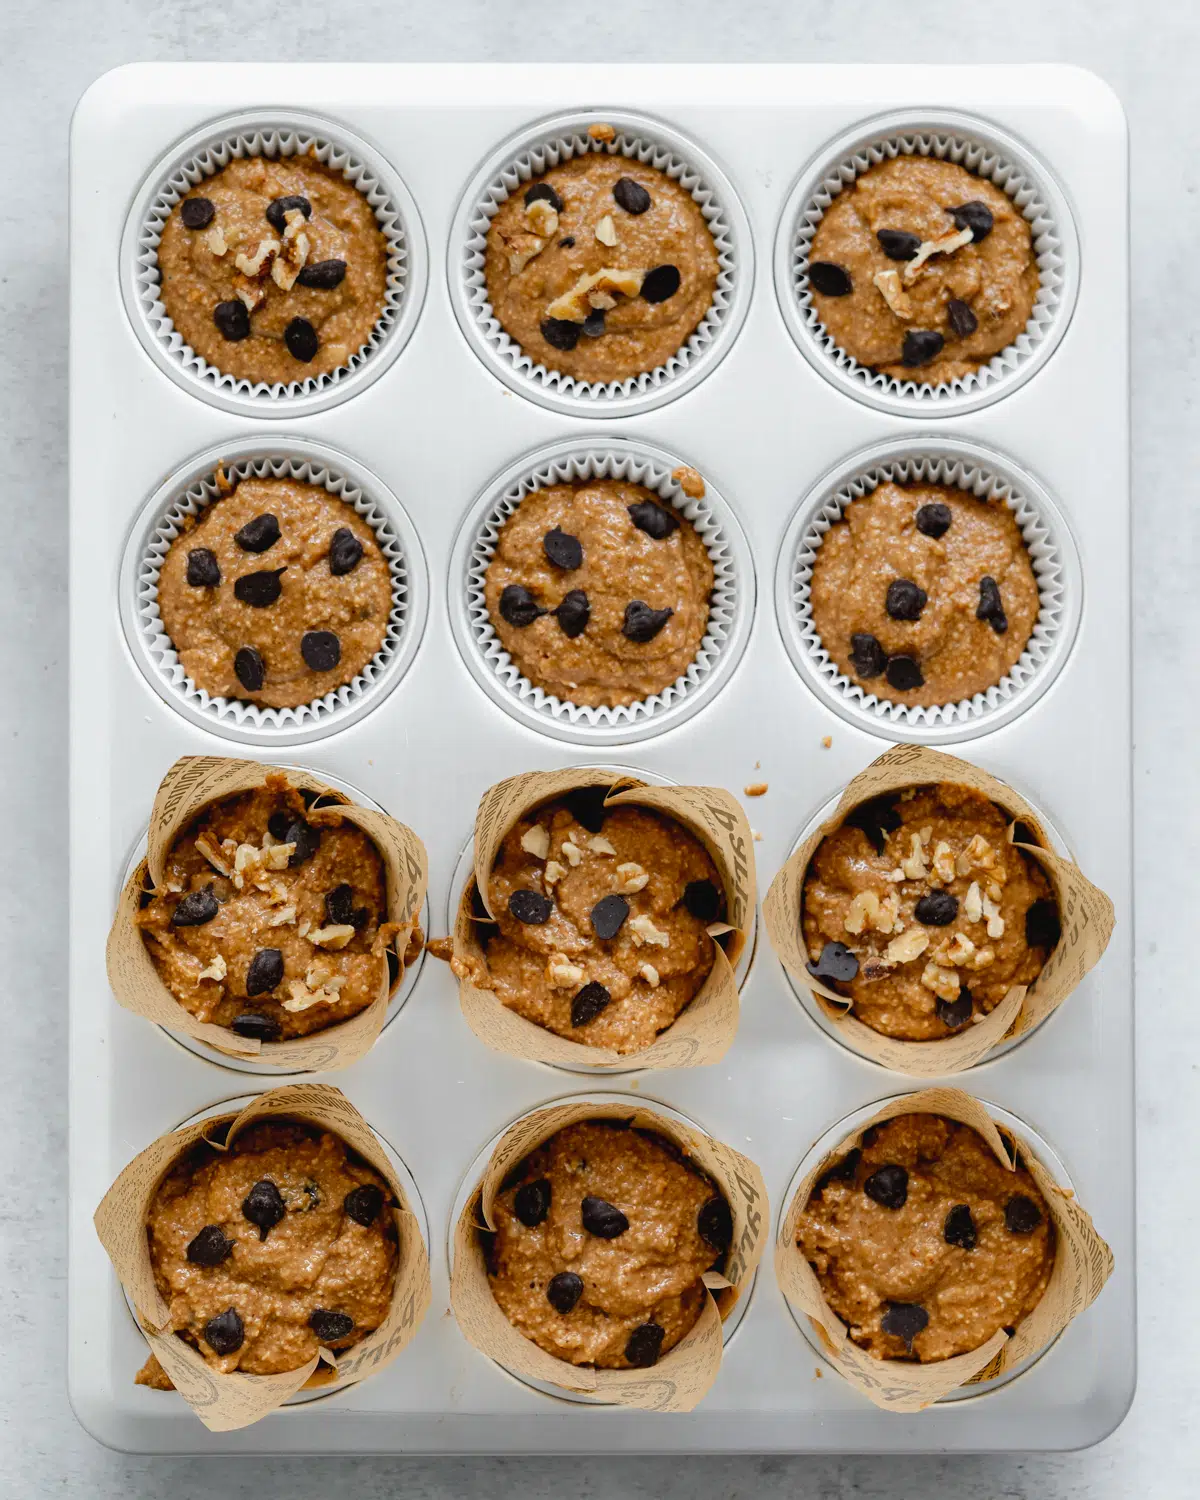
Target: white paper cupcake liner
{"points": [[982, 149], [188, 494], [273, 134], [547, 145], [976, 471], [731, 605]]}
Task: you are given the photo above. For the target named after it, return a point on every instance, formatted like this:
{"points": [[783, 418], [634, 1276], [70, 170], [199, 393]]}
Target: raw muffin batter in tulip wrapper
{"points": [[930, 917], [187, 1228], [282, 954], [604, 921], [620, 1297], [949, 1267]]}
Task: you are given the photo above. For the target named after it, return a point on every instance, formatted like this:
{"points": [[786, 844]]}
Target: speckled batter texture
{"points": [[996, 277], [532, 260], [317, 1256], [208, 624], [621, 563], [878, 542], [869, 1256], [195, 278], [648, 1274], [659, 959], [924, 973]]}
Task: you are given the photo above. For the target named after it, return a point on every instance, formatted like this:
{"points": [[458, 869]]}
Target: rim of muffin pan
{"points": [[979, 146], [530, 152], [979, 471], [188, 491], [731, 608], [478, 1166], [397, 1000], [831, 1139], [273, 133]]}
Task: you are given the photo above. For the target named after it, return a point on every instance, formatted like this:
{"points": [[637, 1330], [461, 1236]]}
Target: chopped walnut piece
{"points": [[888, 283], [253, 864], [973, 903], [606, 231], [553, 871], [598, 844], [573, 306], [984, 959], [254, 265], [335, 936], [215, 858], [650, 974], [995, 922], [522, 248], [689, 481], [633, 878], [536, 841], [601, 301], [867, 910], [284, 917], [216, 241], [959, 949], [217, 969], [602, 132], [914, 867], [318, 987], [573, 852], [562, 973], [943, 982], [978, 855], [294, 252], [945, 244], [542, 217], [943, 862], [906, 947], [251, 294], [644, 931]]}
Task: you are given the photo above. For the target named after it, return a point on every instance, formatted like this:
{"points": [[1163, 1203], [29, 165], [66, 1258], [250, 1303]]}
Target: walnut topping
{"points": [[943, 982], [926, 833], [650, 974], [562, 973], [217, 969], [602, 132], [542, 217], [254, 265], [606, 230], [633, 878], [906, 947], [914, 866], [689, 481], [318, 987], [536, 841], [553, 871], [284, 917], [945, 244], [336, 935], [521, 250], [958, 950], [888, 283], [253, 864], [573, 306], [995, 922], [573, 852], [973, 903], [216, 241], [598, 844], [215, 858], [644, 931], [978, 855], [983, 959], [601, 301], [251, 294], [867, 910], [294, 252], [943, 862]]}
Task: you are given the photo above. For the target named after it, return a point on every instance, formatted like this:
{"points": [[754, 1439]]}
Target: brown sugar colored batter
{"points": [[581, 1291], [266, 1252], [599, 592], [267, 297], [934, 319], [964, 555], [550, 245], [923, 1243], [921, 912]]}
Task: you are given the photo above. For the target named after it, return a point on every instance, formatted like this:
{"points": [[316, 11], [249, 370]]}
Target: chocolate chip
{"points": [[345, 550], [564, 1291], [905, 599], [644, 1345], [265, 971], [260, 1028], [841, 1171], [642, 623], [934, 519], [224, 1333], [991, 606], [258, 535], [573, 613], [703, 900], [530, 908], [531, 1202], [210, 1247], [959, 1228], [561, 333], [608, 916], [586, 806], [876, 819], [660, 283], [904, 1320], [543, 190], [259, 589], [920, 346], [1021, 1214], [714, 1223], [197, 213], [888, 1186], [232, 320], [323, 275], [588, 1003], [203, 569], [1043, 927], [836, 963], [867, 656], [936, 909], [593, 324], [196, 908], [566, 242], [321, 650], [602, 1219], [904, 674], [975, 216], [631, 196], [301, 338], [655, 520], [330, 1327], [306, 838], [340, 908], [263, 1205], [828, 279], [362, 1203], [898, 244], [962, 320], [563, 549], [280, 207], [518, 606], [955, 1013], [277, 826]]}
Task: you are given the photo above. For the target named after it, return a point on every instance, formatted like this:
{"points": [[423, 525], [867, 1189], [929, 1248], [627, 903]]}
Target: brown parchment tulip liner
{"points": [[1082, 1264], [1085, 911], [705, 1029], [191, 784], [683, 1376], [224, 1402]]}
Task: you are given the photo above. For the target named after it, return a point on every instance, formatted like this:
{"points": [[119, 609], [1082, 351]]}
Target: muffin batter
{"points": [[923, 270], [599, 592], [274, 271], [924, 1245], [265, 1253], [600, 1245], [602, 268], [277, 595], [933, 577], [921, 912], [268, 922], [602, 921]]}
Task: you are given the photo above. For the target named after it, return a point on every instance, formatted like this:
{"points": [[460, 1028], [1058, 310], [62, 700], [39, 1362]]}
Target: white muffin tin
{"points": [[438, 427]]}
